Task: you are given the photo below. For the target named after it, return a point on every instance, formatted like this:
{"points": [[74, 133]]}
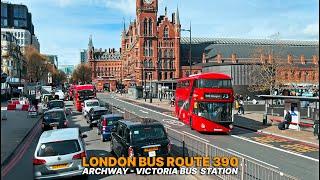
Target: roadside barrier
{"points": [[187, 145], [18, 104]]}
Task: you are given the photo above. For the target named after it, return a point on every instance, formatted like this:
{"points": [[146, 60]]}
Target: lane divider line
{"points": [[144, 111], [279, 149], [196, 136], [253, 158], [147, 109]]}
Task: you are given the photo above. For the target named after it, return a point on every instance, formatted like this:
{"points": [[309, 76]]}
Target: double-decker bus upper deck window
{"points": [[213, 83]]}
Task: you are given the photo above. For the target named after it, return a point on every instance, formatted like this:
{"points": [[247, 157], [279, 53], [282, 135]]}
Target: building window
{"points": [[166, 32], [160, 76], [150, 27], [4, 22], [145, 27], [19, 12], [171, 54], [171, 75], [165, 75], [4, 11]]}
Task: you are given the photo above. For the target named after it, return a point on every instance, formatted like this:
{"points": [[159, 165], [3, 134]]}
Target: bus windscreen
{"points": [[213, 83]]}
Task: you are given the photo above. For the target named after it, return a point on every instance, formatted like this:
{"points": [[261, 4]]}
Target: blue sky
{"points": [[64, 26]]}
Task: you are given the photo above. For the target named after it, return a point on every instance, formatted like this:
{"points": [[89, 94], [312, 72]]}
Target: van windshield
{"points": [[148, 133], [58, 148]]}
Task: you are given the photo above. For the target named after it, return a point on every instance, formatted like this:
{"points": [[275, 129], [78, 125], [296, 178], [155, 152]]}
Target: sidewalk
{"points": [[250, 120], [13, 132]]}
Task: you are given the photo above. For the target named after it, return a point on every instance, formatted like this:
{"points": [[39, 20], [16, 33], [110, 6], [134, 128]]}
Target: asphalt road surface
{"points": [[290, 157], [21, 167]]}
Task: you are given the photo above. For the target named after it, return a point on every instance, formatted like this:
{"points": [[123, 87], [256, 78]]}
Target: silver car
{"points": [[59, 154]]}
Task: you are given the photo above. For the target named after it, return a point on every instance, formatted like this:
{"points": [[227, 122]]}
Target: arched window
{"points": [[171, 54], [145, 27], [150, 64], [145, 63], [165, 64], [160, 76], [171, 64], [165, 54], [150, 27], [171, 75], [165, 75], [166, 32]]}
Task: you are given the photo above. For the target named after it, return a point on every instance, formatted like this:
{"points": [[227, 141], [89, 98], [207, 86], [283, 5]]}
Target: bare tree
{"points": [[266, 67], [82, 73]]}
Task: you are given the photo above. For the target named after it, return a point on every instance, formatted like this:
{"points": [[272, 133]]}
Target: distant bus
{"points": [[82, 93], [204, 102]]}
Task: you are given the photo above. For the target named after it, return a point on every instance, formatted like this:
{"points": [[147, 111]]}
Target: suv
{"points": [[54, 119], [59, 154], [133, 138], [88, 104], [56, 104], [94, 115], [106, 124]]}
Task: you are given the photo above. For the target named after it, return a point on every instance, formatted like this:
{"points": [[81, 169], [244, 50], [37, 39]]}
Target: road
{"points": [[21, 167], [290, 157]]}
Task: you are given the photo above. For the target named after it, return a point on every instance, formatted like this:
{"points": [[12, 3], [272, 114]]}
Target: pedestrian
{"points": [[241, 104], [172, 101], [287, 119]]}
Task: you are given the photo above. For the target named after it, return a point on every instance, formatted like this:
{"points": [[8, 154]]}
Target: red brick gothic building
{"points": [[151, 45]]}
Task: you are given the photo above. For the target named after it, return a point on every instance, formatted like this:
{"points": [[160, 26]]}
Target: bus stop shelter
{"points": [[293, 105]]}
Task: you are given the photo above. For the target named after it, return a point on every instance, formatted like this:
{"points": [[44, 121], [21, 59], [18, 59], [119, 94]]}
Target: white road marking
{"points": [[290, 152], [173, 122], [166, 125], [144, 112], [148, 109], [196, 136], [253, 158], [3, 108]]}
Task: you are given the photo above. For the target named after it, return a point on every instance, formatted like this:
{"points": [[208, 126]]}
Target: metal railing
{"points": [[185, 145]]}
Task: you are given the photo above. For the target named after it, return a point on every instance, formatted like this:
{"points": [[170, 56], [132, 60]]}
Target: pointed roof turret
{"points": [[90, 45], [177, 20]]}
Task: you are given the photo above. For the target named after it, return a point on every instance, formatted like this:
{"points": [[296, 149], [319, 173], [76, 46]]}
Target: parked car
{"points": [[60, 93], [134, 138], [54, 119], [88, 104], [106, 123], [94, 115], [59, 154]]}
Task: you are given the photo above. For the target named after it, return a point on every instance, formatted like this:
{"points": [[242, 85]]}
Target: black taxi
{"points": [[136, 138]]}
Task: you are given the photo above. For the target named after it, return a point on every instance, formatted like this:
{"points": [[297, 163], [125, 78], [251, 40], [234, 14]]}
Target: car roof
{"points": [[54, 110], [91, 100], [59, 135], [136, 122], [111, 115], [98, 108]]}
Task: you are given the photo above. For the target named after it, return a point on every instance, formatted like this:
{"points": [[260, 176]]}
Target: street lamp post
{"points": [[190, 63], [150, 75]]}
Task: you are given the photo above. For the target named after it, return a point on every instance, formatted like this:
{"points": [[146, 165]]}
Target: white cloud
{"points": [[125, 6], [312, 29]]}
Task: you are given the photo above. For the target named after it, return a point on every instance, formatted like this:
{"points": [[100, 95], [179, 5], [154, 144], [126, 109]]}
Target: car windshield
{"points": [[91, 104], [214, 111], [148, 133], [113, 121], [56, 104], [213, 83], [54, 116], [58, 148]]}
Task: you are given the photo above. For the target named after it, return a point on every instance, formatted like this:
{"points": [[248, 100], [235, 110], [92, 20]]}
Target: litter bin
{"points": [[264, 120]]}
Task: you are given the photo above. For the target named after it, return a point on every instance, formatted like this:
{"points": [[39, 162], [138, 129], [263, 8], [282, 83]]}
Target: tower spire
{"points": [[165, 11], [90, 45], [124, 25], [177, 20]]}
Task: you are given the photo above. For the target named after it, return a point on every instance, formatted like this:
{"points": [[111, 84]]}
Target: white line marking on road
{"points": [[253, 158], [173, 122], [144, 112], [3, 108], [122, 112], [290, 152], [196, 136], [168, 126], [148, 109]]}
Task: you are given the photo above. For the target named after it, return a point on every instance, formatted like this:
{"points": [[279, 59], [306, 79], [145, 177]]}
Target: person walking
{"points": [[241, 106], [287, 119]]}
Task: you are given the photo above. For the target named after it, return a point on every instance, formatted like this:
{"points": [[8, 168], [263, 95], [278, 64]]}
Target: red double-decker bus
{"points": [[81, 93], [204, 101]]}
